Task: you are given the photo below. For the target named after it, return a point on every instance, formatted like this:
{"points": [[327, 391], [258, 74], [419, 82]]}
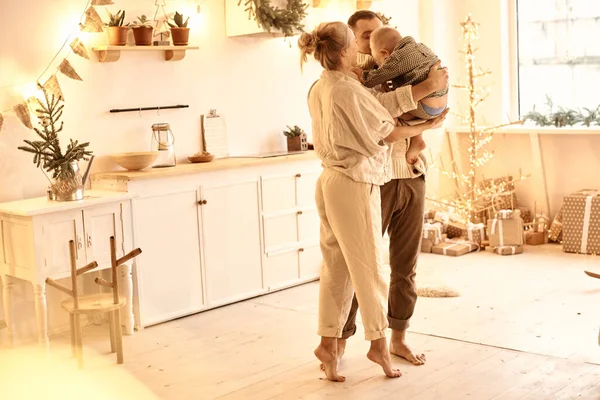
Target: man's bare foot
{"points": [[341, 349], [378, 353], [417, 145], [399, 348], [327, 354]]}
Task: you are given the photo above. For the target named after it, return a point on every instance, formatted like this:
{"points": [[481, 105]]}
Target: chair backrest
{"points": [[114, 264], [74, 291]]}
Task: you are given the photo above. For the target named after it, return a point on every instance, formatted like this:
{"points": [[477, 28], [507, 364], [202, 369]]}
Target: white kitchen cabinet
{"points": [[34, 240], [231, 242], [216, 233], [166, 229]]}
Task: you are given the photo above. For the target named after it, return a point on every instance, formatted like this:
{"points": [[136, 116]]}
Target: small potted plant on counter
{"points": [[296, 139], [142, 31], [117, 32], [179, 30]]}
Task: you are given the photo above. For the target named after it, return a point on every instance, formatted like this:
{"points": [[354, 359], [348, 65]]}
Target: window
{"points": [[559, 53]]}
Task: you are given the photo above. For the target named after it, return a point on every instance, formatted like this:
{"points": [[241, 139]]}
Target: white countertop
{"points": [[42, 205], [188, 168]]}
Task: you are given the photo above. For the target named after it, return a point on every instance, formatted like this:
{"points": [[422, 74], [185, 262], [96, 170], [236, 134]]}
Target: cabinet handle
{"points": [[79, 243], [298, 175], [301, 250], [299, 212], [202, 202], [89, 241]]}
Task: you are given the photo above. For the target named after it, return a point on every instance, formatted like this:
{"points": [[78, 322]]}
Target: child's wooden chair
{"points": [[110, 303]]}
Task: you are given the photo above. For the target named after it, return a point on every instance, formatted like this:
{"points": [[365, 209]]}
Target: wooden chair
{"points": [[110, 303]]}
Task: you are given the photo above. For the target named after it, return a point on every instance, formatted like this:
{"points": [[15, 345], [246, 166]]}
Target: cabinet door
{"points": [[280, 231], [306, 184], [231, 237], [57, 230], [281, 269], [309, 225], [100, 223], [278, 193], [310, 263], [169, 270]]}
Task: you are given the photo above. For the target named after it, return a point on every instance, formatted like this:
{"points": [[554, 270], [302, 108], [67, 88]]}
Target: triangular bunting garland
{"points": [[93, 22], [22, 111], [102, 2], [79, 49], [66, 68], [52, 86]]}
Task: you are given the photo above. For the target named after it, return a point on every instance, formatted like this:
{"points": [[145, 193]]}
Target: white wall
{"points": [[255, 83]]}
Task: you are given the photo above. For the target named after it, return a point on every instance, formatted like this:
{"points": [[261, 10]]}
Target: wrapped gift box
{"points": [[526, 215], [454, 248], [555, 233], [508, 250], [581, 222], [426, 246], [536, 238], [475, 233], [456, 230], [433, 232], [505, 232]]}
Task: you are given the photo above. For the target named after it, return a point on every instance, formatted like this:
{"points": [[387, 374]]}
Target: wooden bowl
{"points": [[202, 158], [135, 161]]}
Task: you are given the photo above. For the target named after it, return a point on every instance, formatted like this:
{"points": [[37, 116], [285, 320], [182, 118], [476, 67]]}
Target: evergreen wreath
{"points": [[288, 20]]}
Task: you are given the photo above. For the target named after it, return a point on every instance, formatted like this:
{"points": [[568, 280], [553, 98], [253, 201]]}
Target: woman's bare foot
{"points": [[399, 348], [327, 354], [378, 353], [341, 349], [417, 145]]}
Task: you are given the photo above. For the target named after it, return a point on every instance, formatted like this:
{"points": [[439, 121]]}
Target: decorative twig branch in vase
{"points": [[66, 182]]}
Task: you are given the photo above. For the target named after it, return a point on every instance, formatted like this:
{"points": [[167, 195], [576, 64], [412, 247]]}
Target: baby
{"points": [[403, 61]]}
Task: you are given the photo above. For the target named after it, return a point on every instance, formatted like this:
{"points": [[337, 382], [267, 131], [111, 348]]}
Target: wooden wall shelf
{"points": [[113, 53]]}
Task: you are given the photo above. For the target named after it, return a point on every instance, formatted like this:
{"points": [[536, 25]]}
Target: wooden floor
{"points": [[539, 303]]}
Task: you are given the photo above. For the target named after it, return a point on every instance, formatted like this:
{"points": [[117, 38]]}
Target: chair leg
{"points": [[118, 336], [79, 341], [73, 335], [111, 328]]}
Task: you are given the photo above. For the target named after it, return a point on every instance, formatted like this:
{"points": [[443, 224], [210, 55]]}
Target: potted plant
{"points": [[142, 31], [67, 181], [179, 30], [117, 32], [296, 139]]}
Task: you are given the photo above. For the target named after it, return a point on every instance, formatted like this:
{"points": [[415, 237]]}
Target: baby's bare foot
{"points": [[378, 353], [417, 145], [328, 357]]}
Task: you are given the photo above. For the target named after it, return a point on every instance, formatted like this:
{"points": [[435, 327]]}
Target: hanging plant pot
{"points": [[180, 36], [117, 35], [143, 35]]}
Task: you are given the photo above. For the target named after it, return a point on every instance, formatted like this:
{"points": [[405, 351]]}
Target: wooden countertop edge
{"points": [[189, 168]]}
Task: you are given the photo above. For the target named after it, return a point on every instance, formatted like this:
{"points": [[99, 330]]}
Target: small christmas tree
{"points": [[161, 24], [473, 198]]}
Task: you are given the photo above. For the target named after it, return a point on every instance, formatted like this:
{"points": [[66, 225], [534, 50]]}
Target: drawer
{"points": [[310, 262], [281, 269], [280, 231], [308, 226], [278, 193]]}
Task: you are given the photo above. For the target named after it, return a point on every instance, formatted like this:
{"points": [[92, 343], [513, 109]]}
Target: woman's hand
{"points": [[438, 77], [359, 74], [436, 122]]}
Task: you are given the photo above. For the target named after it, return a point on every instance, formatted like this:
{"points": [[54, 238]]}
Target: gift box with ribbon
{"points": [[508, 250], [475, 233], [432, 232], [503, 231], [456, 230], [555, 233], [454, 248], [581, 222]]}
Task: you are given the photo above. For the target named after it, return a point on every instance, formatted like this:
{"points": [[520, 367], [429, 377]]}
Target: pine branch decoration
{"points": [[288, 20], [47, 153]]}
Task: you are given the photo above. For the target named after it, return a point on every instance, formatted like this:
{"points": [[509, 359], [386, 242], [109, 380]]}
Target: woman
{"points": [[350, 128]]}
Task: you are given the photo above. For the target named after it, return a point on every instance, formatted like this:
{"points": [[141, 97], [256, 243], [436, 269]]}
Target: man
{"points": [[402, 204]]}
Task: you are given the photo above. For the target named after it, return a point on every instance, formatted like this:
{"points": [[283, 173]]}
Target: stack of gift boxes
{"points": [[505, 226]]}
